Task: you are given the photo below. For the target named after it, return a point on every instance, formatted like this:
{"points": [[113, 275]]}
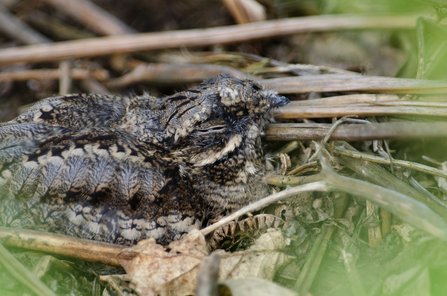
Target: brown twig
{"points": [[92, 17], [65, 78], [199, 37], [53, 74], [93, 86], [355, 132], [315, 186], [55, 27], [18, 30], [302, 84], [167, 73], [401, 163], [62, 245], [349, 99], [343, 82], [362, 110]]}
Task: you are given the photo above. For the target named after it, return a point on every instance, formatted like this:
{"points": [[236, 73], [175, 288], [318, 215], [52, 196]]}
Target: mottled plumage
{"points": [[120, 169]]}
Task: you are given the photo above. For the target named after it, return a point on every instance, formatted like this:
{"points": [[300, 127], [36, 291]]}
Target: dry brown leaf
{"points": [[170, 270], [261, 260]]}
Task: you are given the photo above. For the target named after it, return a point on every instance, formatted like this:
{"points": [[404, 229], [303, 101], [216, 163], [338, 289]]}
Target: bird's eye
{"points": [[211, 129]]}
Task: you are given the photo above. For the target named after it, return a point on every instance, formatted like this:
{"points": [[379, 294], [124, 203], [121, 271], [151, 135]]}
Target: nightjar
{"points": [[119, 169]]}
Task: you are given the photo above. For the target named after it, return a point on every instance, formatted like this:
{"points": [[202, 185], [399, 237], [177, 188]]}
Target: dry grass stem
{"points": [[65, 78], [303, 69], [93, 86], [92, 16], [311, 166], [349, 99], [363, 110], [56, 28], [76, 73], [84, 249], [301, 84], [283, 181], [401, 163], [355, 132], [168, 73], [18, 30], [199, 37], [349, 82], [315, 186]]}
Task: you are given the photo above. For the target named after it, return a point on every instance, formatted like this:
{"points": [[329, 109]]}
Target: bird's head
{"points": [[221, 118]]}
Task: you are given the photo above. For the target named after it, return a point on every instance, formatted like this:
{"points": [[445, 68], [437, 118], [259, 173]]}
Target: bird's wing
{"points": [[99, 183], [76, 111]]}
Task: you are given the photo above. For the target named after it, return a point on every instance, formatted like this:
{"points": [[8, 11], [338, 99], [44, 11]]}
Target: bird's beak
{"points": [[279, 101]]}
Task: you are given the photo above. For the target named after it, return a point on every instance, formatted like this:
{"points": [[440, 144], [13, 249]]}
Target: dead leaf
{"points": [[170, 270], [261, 260]]}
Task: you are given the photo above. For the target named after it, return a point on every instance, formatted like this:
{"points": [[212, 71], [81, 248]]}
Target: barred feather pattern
{"points": [[119, 169]]}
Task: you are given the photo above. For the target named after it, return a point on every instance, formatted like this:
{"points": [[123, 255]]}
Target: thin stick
{"points": [[356, 132], [350, 99], [316, 186], [18, 30], [328, 135], [402, 163], [361, 111], [53, 74], [93, 86], [200, 37], [301, 84], [92, 16], [284, 181], [62, 245], [65, 78], [167, 73], [344, 82]]}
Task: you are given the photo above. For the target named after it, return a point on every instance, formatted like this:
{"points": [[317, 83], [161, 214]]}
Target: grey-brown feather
{"points": [[120, 169]]}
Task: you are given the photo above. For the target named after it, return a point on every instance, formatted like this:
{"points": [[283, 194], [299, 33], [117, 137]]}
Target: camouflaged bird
{"points": [[120, 169]]}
